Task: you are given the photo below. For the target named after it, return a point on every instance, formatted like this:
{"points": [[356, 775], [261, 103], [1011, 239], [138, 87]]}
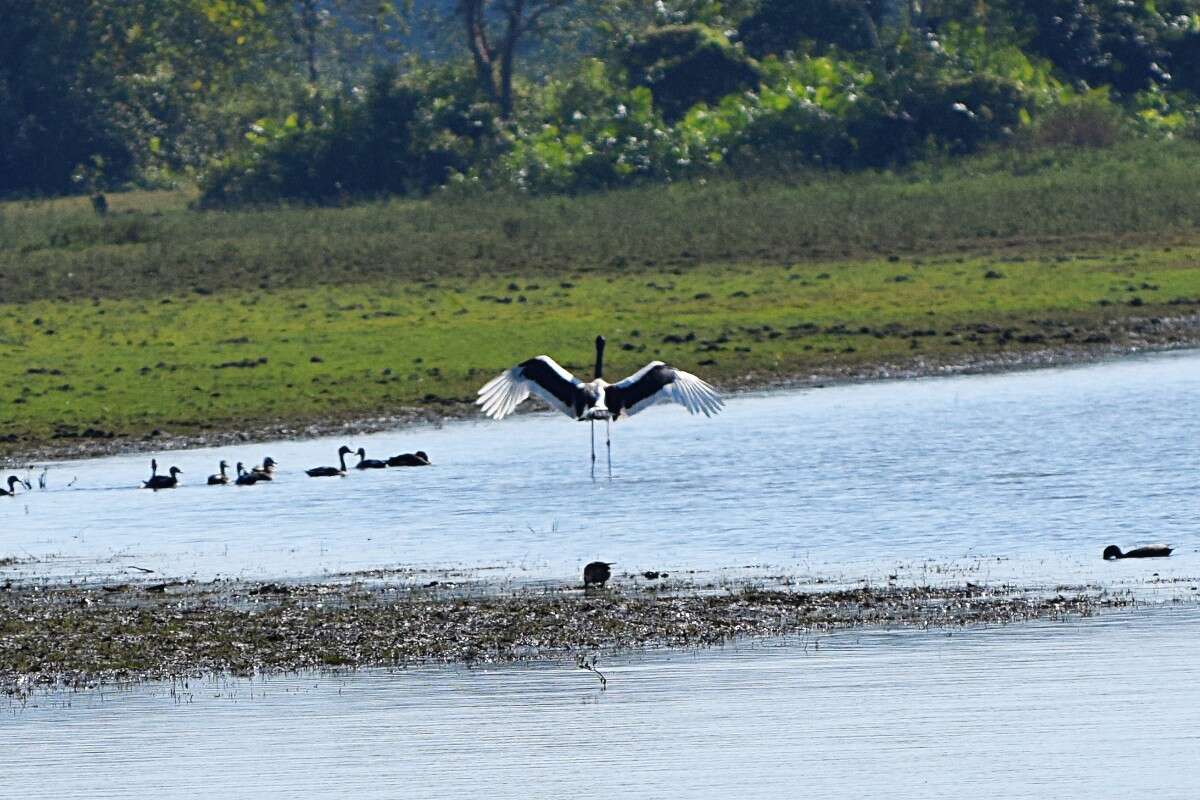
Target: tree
{"points": [[494, 30]]}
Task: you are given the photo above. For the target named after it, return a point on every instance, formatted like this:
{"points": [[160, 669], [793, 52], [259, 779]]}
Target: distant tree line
{"points": [[326, 101]]}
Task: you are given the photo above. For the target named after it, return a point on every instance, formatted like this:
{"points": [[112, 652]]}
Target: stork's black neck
{"points": [[599, 357]]}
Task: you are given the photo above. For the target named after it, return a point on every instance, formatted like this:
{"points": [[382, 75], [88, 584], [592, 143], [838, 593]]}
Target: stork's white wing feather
{"points": [[689, 391], [500, 396]]}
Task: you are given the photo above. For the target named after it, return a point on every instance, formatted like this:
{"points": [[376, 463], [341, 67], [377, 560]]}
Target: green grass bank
{"points": [[157, 317]]}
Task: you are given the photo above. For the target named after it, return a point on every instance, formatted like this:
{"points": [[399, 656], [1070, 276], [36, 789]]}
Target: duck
{"points": [[368, 463], [163, 481], [13, 481], [1112, 552], [220, 479], [245, 478], [331, 472], [417, 459], [597, 572], [267, 471]]}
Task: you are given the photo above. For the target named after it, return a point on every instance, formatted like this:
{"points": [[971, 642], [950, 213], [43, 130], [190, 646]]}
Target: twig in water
{"points": [[582, 662]]}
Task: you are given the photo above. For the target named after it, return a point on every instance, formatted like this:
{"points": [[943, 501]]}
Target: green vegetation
{"points": [[156, 317], [333, 101]]}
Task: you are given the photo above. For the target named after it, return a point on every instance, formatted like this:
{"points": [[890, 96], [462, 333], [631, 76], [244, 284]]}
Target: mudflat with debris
{"points": [[72, 636]]}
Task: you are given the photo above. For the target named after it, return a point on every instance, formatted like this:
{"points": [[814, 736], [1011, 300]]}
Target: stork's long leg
{"points": [[593, 427], [608, 443]]}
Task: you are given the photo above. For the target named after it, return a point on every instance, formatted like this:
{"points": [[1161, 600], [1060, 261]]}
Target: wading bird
{"points": [[330, 472], [13, 481], [220, 479], [162, 481], [368, 463], [417, 459], [597, 399], [1112, 552]]}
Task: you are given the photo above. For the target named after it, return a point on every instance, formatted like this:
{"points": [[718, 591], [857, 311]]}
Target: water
{"points": [[1098, 708], [1019, 476]]}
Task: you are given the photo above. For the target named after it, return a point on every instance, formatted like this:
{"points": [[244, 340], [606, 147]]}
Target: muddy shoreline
{"points": [[1122, 338], [67, 636]]}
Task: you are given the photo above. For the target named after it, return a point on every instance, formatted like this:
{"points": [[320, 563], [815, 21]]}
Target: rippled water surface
{"points": [[1106, 707], [1021, 475]]}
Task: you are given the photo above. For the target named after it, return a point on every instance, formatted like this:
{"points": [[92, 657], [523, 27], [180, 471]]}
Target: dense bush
{"points": [[779, 26], [60, 125], [398, 139], [683, 65]]}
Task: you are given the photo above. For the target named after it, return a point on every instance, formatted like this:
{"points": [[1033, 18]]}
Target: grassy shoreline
{"points": [[160, 326]]}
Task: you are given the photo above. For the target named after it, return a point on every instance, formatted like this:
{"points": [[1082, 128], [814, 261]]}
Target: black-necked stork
{"points": [[596, 399]]}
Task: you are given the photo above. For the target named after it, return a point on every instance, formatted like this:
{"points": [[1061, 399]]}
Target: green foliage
{"points": [[683, 65], [398, 139], [780, 26]]}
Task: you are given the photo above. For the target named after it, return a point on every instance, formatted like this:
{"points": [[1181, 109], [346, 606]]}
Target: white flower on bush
{"points": [[962, 109], [622, 112], [578, 115]]}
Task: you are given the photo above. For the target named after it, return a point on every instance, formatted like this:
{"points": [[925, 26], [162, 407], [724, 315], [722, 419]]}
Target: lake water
{"points": [[1107, 707], [1022, 476]]}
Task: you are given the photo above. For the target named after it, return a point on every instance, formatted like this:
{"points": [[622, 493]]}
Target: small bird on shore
{"points": [[267, 471], [163, 481], [330, 472], [245, 478], [597, 572], [1112, 552], [220, 479], [368, 463], [417, 459], [13, 482]]}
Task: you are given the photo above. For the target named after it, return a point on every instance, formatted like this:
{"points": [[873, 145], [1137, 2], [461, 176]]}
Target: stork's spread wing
{"points": [[540, 376], [658, 383]]}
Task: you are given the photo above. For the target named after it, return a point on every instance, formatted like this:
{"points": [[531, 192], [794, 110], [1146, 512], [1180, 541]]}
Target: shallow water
{"points": [[1022, 476], [1094, 708]]}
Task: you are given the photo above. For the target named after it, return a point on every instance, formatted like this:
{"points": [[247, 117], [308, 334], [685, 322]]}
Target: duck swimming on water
{"points": [[331, 472], [220, 479], [267, 471], [417, 459], [1112, 552], [368, 463], [162, 481], [245, 478], [13, 481]]}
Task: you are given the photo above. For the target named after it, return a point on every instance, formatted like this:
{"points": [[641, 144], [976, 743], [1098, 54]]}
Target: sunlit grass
{"points": [[238, 357], [151, 244]]}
